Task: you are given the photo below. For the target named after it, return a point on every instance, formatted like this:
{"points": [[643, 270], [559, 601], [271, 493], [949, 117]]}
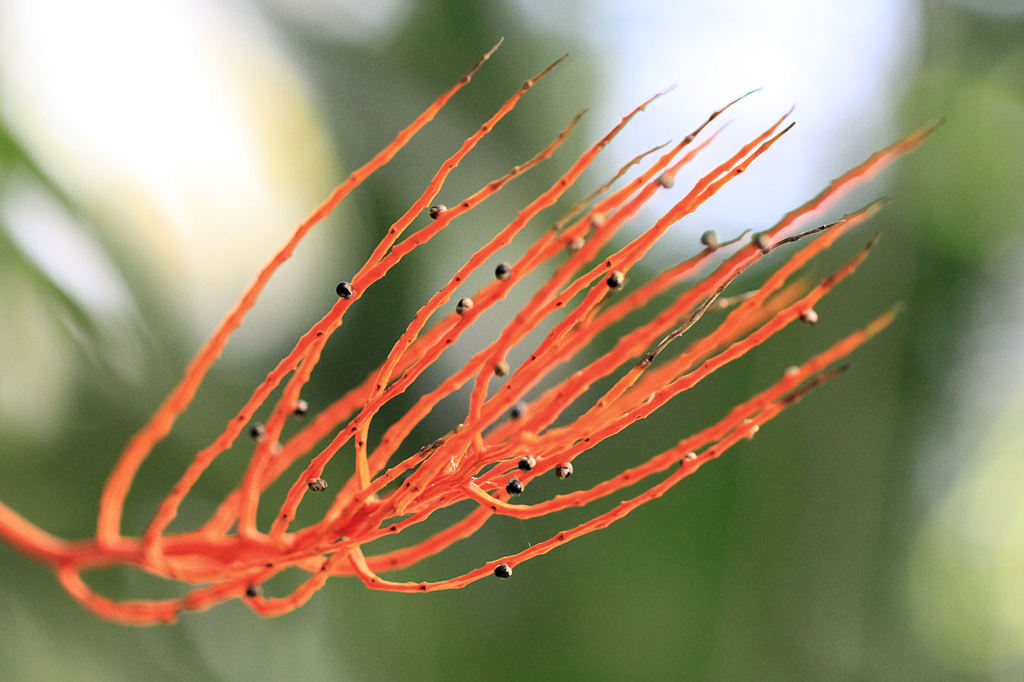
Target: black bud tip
{"points": [[518, 410], [615, 280], [503, 571], [527, 463], [317, 485], [463, 305], [258, 431], [564, 471], [514, 486], [345, 290], [503, 271], [252, 591], [436, 210], [710, 239], [301, 408]]}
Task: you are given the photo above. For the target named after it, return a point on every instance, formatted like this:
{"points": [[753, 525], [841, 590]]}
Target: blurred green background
{"points": [[152, 155]]}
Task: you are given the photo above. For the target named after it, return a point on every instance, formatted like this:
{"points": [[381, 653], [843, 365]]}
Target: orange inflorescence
{"points": [[511, 434]]}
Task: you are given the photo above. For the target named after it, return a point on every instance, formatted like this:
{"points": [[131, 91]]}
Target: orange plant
{"points": [[510, 435]]}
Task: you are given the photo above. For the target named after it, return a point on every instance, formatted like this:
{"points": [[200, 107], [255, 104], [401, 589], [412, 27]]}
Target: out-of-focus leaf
{"points": [[12, 257]]}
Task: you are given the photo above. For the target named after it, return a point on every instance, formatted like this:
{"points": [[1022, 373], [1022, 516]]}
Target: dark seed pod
{"points": [[463, 305], [710, 239], [436, 210], [809, 316], [258, 431], [527, 463], [503, 271], [760, 240], [345, 290], [252, 591], [501, 368], [503, 571], [514, 486], [564, 471], [518, 410], [301, 408], [615, 280], [317, 485]]}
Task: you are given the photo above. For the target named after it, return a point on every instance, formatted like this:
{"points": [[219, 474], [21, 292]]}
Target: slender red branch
{"points": [[511, 433]]}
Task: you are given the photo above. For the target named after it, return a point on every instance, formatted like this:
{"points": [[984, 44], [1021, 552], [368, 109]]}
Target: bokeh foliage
{"points": [[788, 559]]}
